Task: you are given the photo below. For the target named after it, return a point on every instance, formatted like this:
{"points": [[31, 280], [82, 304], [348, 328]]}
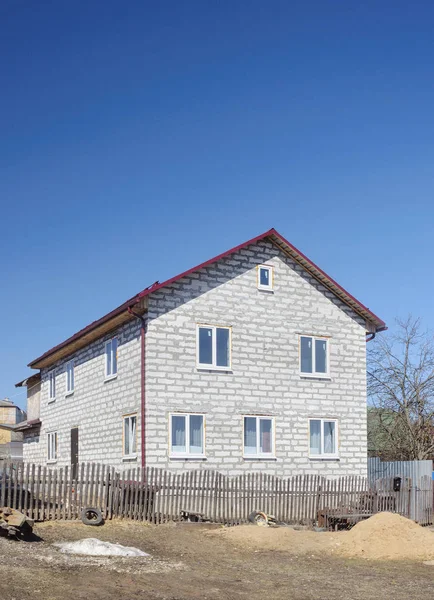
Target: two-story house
{"points": [[253, 360]]}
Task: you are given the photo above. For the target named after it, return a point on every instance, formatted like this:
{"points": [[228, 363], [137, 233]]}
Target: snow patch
{"points": [[94, 547]]}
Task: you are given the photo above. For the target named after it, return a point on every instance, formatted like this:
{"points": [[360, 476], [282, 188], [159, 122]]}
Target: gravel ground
{"points": [[190, 562]]}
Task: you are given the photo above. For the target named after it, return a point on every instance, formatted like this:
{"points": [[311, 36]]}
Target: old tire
{"points": [[258, 518], [91, 516]]}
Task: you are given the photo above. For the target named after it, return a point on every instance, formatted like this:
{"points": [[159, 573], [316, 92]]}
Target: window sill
{"points": [[211, 368], [130, 457], [259, 457], [110, 378], [265, 289], [187, 457], [71, 393], [314, 376], [52, 461], [52, 401], [324, 458]]}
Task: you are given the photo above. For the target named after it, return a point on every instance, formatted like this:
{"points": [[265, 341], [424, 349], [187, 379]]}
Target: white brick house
{"points": [[254, 360]]}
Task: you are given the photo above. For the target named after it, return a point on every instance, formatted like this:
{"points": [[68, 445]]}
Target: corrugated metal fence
{"points": [[418, 472], [11, 451]]}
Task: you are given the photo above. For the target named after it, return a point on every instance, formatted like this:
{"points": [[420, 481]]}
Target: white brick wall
{"points": [[96, 407], [264, 378], [265, 366]]}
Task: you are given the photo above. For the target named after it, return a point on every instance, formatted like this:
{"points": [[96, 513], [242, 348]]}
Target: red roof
{"points": [[275, 238]]}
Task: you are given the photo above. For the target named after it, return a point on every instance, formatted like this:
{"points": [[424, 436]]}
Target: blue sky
{"points": [[138, 139]]}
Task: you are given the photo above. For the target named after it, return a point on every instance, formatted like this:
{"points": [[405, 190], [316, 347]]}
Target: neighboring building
{"points": [[30, 428], [254, 360], [11, 441]]}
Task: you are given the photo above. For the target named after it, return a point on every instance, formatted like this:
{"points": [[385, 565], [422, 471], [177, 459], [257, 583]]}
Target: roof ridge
{"points": [[280, 242]]}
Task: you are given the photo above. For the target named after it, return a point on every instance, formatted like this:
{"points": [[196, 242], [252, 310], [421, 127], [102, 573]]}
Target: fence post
{"points": [[409, 498]]}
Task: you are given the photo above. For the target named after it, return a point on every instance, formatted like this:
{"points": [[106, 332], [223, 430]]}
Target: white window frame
{"points": [[314, 373], [262, 455], [133, 454], [52, 447], [213, 366], [187, 454], [108, 343], [323, 455], [52, 386], [270, 286], [70, 376]]}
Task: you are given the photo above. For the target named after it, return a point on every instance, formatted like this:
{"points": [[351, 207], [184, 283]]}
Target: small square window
{"points": [[52, 446], [265, 278], [111, 358], [130, 436], [314, 356], [258, 437], [187, 436], [70, 377], [323, 441], [52, 386]]}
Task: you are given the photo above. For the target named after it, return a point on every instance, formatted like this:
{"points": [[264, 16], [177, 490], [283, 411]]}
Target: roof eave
{"points": [[102, 326], [34, 377], [90, 333]]}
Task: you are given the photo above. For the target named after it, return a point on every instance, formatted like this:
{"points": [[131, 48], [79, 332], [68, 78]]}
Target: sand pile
{"points": [[283, 539], [388, 536], [384, 536]]}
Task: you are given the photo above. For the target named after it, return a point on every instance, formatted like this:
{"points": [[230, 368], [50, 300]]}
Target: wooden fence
{"points": [[158, 496]]}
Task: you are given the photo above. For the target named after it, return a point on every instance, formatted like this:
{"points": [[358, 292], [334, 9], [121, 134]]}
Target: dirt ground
{"points": [[189, 562]]}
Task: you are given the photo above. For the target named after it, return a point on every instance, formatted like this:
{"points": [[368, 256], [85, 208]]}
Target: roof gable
{"points": [[123, 313]]}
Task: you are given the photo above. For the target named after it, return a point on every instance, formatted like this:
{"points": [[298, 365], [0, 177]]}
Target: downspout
{"points": [[370, 337], [142, 383]]}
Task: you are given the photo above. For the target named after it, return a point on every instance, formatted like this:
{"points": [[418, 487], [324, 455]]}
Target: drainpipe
{"points": [[370, 337], [142, 383]]}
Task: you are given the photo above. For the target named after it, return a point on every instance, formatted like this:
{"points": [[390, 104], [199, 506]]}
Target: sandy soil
{"points": [[190, 562], [385, 536]]}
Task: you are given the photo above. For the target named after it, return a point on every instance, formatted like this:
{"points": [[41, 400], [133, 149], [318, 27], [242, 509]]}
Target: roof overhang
{"points": [[92, 332], [122, 314], [25, 425], [29, 381], [373, 323]]}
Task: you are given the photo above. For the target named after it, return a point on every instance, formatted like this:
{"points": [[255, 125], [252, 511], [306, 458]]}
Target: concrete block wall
{"points": [[265, 378], [96, 407]]}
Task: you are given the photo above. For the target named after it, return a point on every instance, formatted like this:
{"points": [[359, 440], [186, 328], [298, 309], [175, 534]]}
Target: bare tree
{"points": [[401, 393]]}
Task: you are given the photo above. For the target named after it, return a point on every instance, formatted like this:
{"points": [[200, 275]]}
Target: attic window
{"points": [[265, 278]]}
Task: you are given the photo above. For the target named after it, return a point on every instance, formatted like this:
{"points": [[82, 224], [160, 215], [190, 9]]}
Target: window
{"points": [[187, 436], [213, 347], [258, 437], [130, 437], [52, 446], [314, 360], [323, 438], [70, 377], [111, 358], [52, 386], [265, 277]]}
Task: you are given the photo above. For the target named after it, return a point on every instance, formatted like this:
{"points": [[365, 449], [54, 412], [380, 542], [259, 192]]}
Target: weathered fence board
{"points": [[158, 496]]}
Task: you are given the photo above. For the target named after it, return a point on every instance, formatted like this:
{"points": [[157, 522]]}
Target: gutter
{"points": [[142, 384]]}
